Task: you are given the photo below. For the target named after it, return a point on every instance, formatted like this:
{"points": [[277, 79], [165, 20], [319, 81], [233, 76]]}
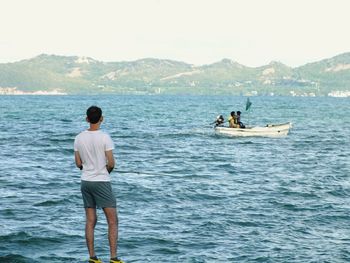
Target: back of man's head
{"points": [[94, 114]]}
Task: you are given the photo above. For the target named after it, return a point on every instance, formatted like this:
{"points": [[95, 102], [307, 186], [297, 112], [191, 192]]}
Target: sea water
{"points": [[184, 194]]}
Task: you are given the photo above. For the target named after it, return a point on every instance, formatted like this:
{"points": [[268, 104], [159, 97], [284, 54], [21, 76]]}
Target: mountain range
{"points": [[84, 75]]}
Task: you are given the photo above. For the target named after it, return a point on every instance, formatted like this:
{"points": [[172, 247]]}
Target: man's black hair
{"points": [[232, 113], [238, 113], [94, 114]]}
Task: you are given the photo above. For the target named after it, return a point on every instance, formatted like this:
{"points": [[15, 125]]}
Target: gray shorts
{"points": [[97, 194]]}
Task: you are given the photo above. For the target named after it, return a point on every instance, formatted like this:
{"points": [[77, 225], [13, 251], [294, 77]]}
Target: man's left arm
{"points": [[110, 161]]}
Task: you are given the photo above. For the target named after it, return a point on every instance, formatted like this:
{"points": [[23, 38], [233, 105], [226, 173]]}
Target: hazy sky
{"points": [[251, 32]]}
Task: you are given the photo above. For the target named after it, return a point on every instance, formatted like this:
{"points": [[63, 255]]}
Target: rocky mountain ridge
{"points": [[84, 75]]}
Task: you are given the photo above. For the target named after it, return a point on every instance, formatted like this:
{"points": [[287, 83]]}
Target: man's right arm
{"points": [[78, 160]]}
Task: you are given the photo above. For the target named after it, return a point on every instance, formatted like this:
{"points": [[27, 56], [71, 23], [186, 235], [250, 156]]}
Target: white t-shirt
{"points": [[92, 146]]}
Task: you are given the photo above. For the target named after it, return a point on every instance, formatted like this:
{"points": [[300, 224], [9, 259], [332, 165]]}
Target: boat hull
{"points": [[270, 130]]}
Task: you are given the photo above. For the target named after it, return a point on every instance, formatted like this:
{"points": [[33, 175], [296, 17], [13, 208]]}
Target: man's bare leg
{"points": [[112, 220], [91, 219]]}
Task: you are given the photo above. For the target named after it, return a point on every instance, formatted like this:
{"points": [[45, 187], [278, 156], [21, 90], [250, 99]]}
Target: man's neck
{"points": [[94, 127]]}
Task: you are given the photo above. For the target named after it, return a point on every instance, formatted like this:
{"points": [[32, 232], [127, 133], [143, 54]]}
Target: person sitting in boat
{"points": [[233, 120], [238, 118], [219, 121]]}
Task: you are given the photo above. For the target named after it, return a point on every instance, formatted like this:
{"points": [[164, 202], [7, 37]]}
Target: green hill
{"points": [[83, 75]]}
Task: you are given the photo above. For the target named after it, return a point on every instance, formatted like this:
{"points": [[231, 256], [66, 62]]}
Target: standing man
{"points": [[93, 151]]}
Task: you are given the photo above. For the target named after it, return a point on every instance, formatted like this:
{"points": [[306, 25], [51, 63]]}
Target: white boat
{"points": [[270, 130]]}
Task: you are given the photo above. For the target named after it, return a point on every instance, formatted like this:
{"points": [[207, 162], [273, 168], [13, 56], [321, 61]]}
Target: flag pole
{"points": [[247, 107]]}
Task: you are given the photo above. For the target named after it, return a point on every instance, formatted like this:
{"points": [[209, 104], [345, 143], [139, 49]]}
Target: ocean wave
{"points": [[183, 192], [15, 258]]}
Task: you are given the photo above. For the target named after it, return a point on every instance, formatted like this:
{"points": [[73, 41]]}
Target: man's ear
{"points": [[101, 119], [87, 119]]}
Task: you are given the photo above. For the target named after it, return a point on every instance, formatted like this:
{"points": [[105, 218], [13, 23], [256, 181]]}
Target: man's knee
{"points": [[112, 219], [91, 221], [91, 218], [111, 215]]}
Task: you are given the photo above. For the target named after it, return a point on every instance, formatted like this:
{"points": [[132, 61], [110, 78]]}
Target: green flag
{"points": [[248, 104]]}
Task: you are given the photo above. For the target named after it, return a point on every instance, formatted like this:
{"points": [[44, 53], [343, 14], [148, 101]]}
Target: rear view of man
{"points": [[93, 150]]}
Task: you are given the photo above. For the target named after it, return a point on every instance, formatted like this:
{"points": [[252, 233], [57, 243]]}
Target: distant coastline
{"points": [[339, 94], [69, 75], [15, 91]]}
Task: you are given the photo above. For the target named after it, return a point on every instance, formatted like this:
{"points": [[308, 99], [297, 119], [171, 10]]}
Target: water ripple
{"points": [[184, 194]]}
